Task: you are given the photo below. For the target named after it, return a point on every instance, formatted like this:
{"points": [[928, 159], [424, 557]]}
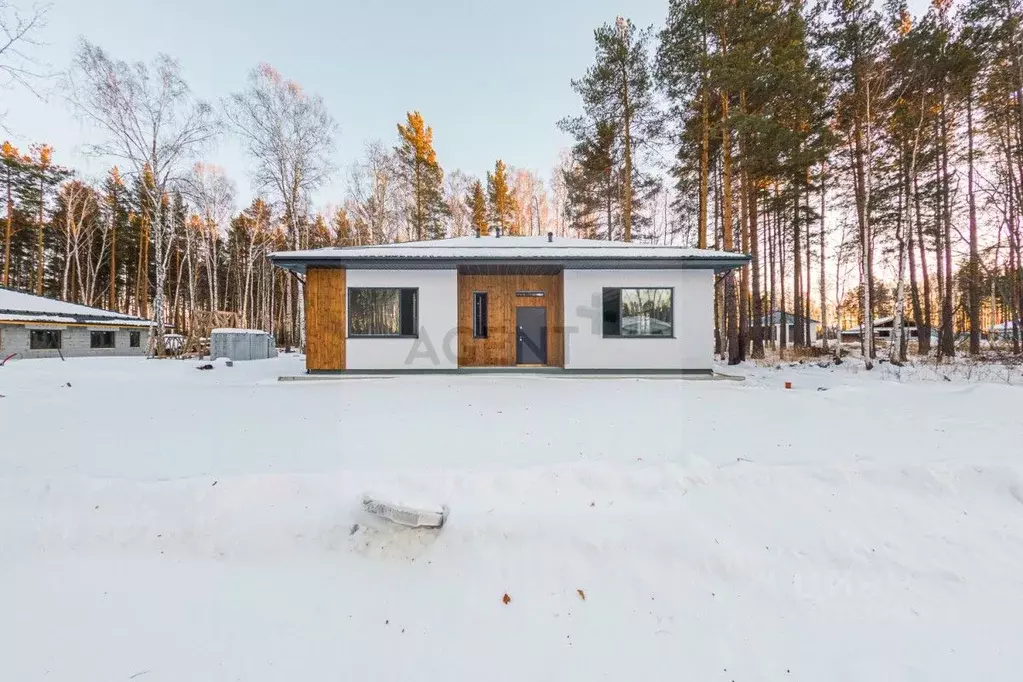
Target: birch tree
{"points": [[289, 136], [147, 118]]}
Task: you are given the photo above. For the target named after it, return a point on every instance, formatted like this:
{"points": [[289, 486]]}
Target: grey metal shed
{"points": [[242, 344]]}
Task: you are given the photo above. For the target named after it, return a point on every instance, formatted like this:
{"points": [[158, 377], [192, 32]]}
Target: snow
{"points": [[511, 248], [232, 330], [17, 306], [170, 524]]}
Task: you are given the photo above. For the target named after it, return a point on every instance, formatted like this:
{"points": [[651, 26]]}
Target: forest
{"points": [[866, 158]]}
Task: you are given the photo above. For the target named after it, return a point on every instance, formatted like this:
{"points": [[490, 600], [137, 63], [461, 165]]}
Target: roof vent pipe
{"points": [[550, 236], [497, 232], [477, 233]]}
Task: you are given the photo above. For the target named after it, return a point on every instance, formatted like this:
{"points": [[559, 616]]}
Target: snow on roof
{"points": [[232, 330], [18, 306], [510, 248]]}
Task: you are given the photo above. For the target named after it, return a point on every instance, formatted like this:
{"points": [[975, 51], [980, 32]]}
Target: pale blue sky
{"points": [[490, 78]]}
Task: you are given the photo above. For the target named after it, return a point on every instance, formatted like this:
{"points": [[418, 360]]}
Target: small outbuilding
{"points": [[39, 327], [468, 303], [772, 325], [242, 344]]}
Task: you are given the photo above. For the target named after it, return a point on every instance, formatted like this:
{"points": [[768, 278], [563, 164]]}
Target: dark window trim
{"points": [[480, 328], [134, 339], [671, 309], [348, 310], [58, 332], [92, 336]]}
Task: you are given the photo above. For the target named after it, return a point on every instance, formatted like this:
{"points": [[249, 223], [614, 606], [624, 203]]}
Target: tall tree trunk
{"points": [[947, 345], [731, 319], [923, 324], [112, 294], [974, 250], [758, 299], [807, 260], [701, 236], [627, 180], [9, 230], [823, 280], [783, 331], [797, 270], [40, 263]]}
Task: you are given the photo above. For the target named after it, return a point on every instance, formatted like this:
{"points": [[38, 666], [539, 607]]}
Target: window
{"points": [[135, 339], [383, 312], [44, 339], [101, 340], [638, 312], [479, 315]]}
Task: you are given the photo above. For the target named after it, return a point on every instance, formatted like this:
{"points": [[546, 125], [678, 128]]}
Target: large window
{"points": [[44, 339], [383, 312], [101, 339], [134, 339], [479, 315], [638, 312]]}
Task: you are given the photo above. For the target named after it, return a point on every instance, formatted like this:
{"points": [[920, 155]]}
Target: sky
{"points": [[491, 79]]}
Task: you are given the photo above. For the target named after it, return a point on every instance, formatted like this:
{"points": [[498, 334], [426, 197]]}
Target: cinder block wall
{"points": [[75, 342]]}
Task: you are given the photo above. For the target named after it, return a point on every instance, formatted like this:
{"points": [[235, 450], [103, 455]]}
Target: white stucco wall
{"points": [[692, 346], [436, 347]]}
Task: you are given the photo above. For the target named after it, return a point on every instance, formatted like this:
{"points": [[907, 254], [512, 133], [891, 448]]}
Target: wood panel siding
{"points": [[498, 349], [325, 301]]}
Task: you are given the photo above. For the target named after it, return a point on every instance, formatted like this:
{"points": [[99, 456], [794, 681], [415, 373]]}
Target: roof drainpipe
{"points": [[550, 237]]}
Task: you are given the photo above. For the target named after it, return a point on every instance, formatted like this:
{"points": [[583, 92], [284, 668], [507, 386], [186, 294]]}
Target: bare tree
{"points": [[149, 119], [18, 30], [212, 194], [290, 135], [374, 193]]}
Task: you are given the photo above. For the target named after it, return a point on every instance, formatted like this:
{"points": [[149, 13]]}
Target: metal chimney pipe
{"points": [[550, 237]]}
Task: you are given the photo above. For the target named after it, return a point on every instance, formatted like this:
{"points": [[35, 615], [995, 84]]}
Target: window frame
{"points": [[134, 339], [480, 327], [619, 335], [92, 339], [415, 314], [33, 332]]}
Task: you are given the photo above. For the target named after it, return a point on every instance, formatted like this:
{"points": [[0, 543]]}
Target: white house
{"points": [[500, 301], [38, 327]]}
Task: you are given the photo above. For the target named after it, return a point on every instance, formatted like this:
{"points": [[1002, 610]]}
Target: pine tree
{"points": [[13, 169], [502, 205], [423, 178], [618, 89], [476, 201], [593, 184]]}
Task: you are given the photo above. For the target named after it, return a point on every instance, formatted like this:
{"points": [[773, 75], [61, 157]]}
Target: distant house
{"points": [[39, 327], [772, 324], [1003, 331], [883, 327]]}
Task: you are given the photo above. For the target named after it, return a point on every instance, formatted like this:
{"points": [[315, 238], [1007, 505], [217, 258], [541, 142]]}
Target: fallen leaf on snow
{"points": [[582, 595], [506, 598]]}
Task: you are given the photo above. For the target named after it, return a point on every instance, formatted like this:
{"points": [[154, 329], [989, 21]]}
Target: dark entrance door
{"points": [[531, 335]]}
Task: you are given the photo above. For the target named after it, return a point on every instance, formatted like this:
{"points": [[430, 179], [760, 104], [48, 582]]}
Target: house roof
{"points": [[490, 250], [19, 307], [790, 318]]}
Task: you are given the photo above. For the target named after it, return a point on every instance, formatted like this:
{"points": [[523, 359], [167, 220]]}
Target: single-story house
{"points": [[500, 301], [883, 327], [38, 327], [1004, 331], [773, 322]]}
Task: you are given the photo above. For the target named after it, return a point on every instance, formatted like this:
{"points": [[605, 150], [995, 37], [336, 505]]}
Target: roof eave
{"points": [[301, 263]]}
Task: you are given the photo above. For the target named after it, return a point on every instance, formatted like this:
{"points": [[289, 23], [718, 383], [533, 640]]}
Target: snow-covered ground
{"points": [[159, 523]]}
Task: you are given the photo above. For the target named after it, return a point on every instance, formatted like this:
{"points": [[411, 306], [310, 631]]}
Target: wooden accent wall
{"points": [[325, 301], [498, 349]]}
